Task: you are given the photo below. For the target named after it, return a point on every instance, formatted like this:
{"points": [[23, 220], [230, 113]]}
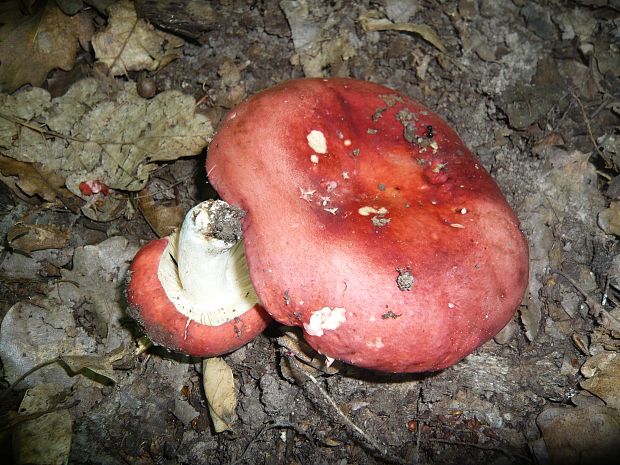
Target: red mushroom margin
{"points": [[191, 292]]}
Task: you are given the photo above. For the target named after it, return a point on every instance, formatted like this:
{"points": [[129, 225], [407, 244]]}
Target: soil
{"points": [[527, 87]]}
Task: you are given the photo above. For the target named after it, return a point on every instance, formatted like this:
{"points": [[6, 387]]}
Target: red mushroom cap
{"points": [[169, 312], [369, 224]]}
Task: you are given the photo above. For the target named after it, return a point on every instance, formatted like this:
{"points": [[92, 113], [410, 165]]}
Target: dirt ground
{"points": [[531, 87]]}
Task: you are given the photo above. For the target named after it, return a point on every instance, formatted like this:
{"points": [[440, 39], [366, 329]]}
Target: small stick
{"points": [[28, 373], [373, 443], [283, 424], [506, 452], [586, 120]]}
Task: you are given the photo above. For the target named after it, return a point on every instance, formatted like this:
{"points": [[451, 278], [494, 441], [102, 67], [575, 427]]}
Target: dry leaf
{"points": [[101, 366], [131, 44], [605, 382], [219, 386], [313, 362], [423, 30], [530, 318], [34, 179], [553, 139], [45, 439], [32, 46], [30, 237], [101, 130], [32, 334], [163, 218], [320, 42], [580, 435], [609, 219]]}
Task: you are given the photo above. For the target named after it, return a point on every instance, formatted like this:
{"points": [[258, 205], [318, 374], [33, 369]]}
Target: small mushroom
{"points": [[191, 291], [409, 263]]}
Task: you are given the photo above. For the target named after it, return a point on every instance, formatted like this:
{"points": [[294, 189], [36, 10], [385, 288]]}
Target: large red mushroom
{"points": [[369, 224], [191, 291]]}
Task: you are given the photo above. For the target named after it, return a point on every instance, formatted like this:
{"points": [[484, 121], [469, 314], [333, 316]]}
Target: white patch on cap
{"points": [[324, 319], [314, 158], [367, 211], [317, 142], [377, 343]]}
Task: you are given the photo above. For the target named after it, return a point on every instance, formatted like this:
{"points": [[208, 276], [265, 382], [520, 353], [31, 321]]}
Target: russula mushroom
{"points": [[369, 224], [191, 291]]}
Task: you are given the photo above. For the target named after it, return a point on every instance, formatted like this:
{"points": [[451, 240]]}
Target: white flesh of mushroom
{"points": [[206, 278]]}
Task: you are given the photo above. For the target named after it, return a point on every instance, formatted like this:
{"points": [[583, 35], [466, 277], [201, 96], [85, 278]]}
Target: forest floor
{"points": [[531, 87]]}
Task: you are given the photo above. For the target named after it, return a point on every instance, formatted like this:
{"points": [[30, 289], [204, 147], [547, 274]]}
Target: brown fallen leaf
{"points": [[423, 30], [101, 130], [96, 367], [553, 139], [609, 219], [132, 44], [605, 382], [164, 217], [30, 237], [31, 46], [35, 179], [575, 436]]}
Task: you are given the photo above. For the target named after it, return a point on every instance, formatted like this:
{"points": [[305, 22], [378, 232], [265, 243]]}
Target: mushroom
{"points": [[191, 291], [369, 224]]}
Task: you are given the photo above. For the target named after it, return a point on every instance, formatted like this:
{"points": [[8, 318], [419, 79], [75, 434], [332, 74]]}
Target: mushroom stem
{"points": [[206, 257]]}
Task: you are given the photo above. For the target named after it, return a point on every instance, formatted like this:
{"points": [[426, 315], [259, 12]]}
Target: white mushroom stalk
{"points": [[203, 270]]}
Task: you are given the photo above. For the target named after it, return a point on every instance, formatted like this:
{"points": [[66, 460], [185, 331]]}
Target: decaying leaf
{"points": [[45, 439], [319, 41], [609, 149], [79, 319], [31, 46], [566, 194], [164, 218], [423, 30], [525, 104], [605, 382], [313, 362], [609, 219], [580, 435], [101, 130], [219, 386], [131, 44], [34, 179], [531, 317], [30, 237], [99, 367]]}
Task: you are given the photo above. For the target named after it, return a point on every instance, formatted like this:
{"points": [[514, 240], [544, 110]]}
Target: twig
{"points": [[125, 42], [266, 428], [373, 443], [416, 458], [25, 375], [606, 319], [506, 452], [12, 422], [586, 120]]}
